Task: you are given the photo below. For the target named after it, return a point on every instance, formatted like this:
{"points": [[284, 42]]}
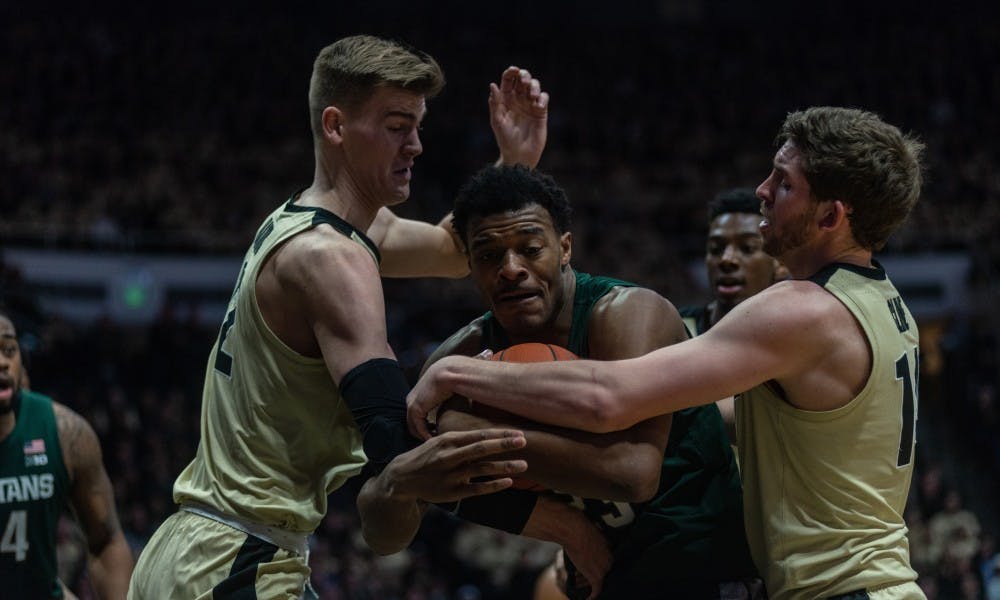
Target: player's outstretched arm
{"points": [[445, 469], [519, 114], [92, 500], [776, 334]]}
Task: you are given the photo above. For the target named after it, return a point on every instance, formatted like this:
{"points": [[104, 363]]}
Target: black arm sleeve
{"points": [[375, 392]]}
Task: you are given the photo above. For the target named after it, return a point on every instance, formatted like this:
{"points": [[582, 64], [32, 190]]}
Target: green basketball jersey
{"points": [[691, 532], [276, 436], [33, 488], [825, 491], [695, 319]]}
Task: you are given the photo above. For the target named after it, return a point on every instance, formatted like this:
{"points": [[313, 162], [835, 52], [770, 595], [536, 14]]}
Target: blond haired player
{"points": [[301, 388]]}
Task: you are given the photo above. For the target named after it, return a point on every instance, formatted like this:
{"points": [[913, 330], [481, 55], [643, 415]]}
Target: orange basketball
{"points": [[525, 353], [534, 352]]}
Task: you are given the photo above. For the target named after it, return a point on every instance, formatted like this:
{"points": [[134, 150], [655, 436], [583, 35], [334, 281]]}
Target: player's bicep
{"points": [[341, 294], [769, 336]]}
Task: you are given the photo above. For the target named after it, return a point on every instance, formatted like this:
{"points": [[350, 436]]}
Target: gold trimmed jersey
{"points": [[276, 436], [824, 491]]}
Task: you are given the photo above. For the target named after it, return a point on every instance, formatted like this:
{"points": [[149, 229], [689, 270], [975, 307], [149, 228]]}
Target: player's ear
{"points": [[566, 245], [332, 120], [833, 214]]}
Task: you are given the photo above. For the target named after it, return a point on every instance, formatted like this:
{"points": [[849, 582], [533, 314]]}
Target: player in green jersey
{"points": [[825, 366], [50, 459], [735, 261], [666, 492]]}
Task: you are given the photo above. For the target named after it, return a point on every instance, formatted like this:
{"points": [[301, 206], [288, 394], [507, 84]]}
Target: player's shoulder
{"points": [[76, 436], [68, 420], [323, 254], [467, 341], [624, 300], [795, 306]]}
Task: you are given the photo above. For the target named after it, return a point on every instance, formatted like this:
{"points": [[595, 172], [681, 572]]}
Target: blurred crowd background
{"points": [[156, 131]]}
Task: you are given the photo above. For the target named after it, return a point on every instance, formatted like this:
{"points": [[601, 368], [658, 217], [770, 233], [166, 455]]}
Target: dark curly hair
{"points": [[496, 190], [736, 200]]}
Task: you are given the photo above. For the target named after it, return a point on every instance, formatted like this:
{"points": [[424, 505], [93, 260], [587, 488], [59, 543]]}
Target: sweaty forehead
{"points": [[528, 220]]}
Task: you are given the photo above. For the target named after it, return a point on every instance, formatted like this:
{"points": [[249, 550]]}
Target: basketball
{"points": [[525, 353], [534, 352]]}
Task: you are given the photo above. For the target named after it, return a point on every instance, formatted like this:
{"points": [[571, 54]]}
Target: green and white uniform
{"points": [[34, 485], [689, 538], [825, 491]]}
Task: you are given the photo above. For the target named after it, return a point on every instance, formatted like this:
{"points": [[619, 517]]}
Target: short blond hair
{"points": [[347, 72]]}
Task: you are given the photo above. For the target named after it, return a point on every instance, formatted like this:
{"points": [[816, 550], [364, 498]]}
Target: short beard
{"points": [[6, 409], [790, 238]]}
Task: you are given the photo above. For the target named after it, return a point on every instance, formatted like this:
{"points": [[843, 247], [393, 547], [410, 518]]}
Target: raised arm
{"points": [[519, 112], [773, 335], [93, 502]]}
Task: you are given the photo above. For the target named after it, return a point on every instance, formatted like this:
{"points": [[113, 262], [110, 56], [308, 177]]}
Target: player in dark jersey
{"points": [[666, 492], [50, 458], [735, 260]]}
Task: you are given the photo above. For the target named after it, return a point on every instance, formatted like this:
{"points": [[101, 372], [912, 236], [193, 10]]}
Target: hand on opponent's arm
{"points": [[446, 468]]}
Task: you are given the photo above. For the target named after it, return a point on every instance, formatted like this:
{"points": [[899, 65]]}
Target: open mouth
{"points": [[728, 285], [6, 388]]}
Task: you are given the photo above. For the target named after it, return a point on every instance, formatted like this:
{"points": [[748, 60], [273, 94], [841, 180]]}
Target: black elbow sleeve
{"points": [[375, 392]]}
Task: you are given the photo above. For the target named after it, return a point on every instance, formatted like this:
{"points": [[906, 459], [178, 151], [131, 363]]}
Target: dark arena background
{"points": [[140, 148]]}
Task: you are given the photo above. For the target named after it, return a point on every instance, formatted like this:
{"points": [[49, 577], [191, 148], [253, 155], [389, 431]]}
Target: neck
{"points": [[334, 190], [804, 262]]}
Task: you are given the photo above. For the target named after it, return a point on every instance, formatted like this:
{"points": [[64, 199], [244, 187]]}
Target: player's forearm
{"points": [[610, 466], [111, 568], [388, 524], [567, 394]]}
